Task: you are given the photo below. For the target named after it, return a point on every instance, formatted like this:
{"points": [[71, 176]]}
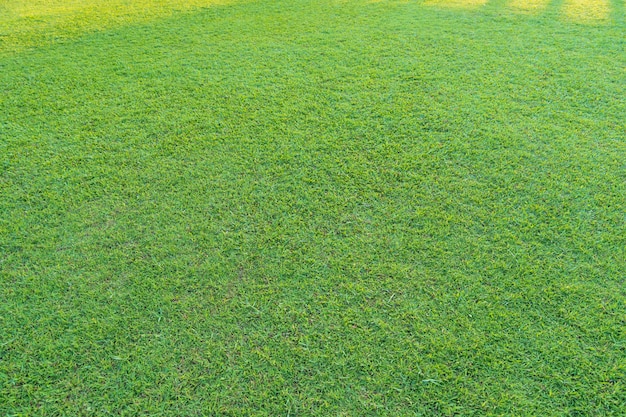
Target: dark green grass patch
{"points": [[316, 208]]}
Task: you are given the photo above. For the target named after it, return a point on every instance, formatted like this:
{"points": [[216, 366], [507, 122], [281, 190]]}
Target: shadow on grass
{"points": [[617, 11], [28, 24]]}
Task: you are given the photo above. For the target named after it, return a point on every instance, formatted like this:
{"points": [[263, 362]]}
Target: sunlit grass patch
{"points": [[528, 6], [25, 24], [587, 11], [457, 3]]}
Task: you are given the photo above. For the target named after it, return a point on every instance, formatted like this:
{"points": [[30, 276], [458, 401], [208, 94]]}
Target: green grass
{"points": [[31, 23], [330, 208]]}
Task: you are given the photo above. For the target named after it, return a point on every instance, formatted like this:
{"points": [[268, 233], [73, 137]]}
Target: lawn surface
{"points": [[313, 208]]}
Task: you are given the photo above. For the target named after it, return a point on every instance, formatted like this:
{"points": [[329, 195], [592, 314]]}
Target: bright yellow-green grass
{"points": [[27, 23], [313, 208]]}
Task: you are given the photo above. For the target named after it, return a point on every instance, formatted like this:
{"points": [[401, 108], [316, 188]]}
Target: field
{"points": [[313, 208]]}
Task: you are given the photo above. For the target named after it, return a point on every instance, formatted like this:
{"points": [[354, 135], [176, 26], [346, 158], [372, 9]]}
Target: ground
{"points": [[322, 208]]}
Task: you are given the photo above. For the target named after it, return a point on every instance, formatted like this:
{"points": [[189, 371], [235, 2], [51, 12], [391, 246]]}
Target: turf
{"points": [[313, 208]]}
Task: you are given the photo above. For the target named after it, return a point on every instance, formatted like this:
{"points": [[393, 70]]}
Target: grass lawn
{"points": [[313, 208]]}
